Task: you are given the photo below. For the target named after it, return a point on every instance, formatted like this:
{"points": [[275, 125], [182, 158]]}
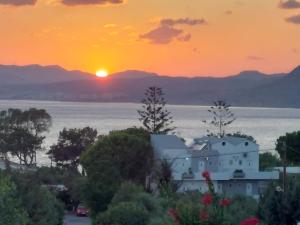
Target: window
{"points": [[230, 162], [249, 163], [210, 162], [223, 143], [240, 162], [246, 143]]}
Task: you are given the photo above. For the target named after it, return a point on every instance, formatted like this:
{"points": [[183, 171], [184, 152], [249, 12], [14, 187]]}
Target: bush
{"points": [[277, 207], [241, 207], [40, 204], [125, 213], [11, 210]]}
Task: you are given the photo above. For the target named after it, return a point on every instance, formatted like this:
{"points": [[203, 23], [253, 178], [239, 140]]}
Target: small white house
{"points": [[233, 163]]}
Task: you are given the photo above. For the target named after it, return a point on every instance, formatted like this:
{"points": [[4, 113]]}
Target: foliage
{"points": [[129, 198], [241, 135], [135, 131], [155, 118], [210, 210], [277, 207], [40, 204], [241, 207], [113, 159], [71, 144], [292, 142], [131, 155], [163, 174], [127, 192], [11, 210], [126, 213], [21, 133], [221, 117], [102, 182], [268, 160]]}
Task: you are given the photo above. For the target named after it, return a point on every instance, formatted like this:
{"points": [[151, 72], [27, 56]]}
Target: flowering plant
{"points": [[209, 210]]}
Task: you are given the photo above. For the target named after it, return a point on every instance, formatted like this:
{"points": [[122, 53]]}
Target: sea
{"points": [[264, 124]]}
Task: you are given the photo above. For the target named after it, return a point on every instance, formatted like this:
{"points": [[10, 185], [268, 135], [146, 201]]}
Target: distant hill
{"points": [[248, 88], [36, 74]]}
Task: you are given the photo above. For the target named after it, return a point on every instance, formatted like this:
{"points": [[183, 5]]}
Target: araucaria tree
{"points": [[154, 116], [222, 116]]}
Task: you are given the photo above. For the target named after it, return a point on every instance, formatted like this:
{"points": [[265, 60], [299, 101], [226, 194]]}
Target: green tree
{"points": [[113, 159], [11, 210], [221, 117], [130, 154], [40, 204], [278, 208], [103, 180], [154, 116], [268, 160], [71, 144], [292, 143], [21, 133]]}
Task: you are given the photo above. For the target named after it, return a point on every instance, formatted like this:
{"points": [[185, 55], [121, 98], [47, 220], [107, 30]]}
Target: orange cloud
{"points": [[166, 32], [293, 19], [289, 4], [90, 2], [18, 2]]}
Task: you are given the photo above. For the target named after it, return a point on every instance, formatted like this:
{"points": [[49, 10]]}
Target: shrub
{"points": [[125, 213], [11, 210]]}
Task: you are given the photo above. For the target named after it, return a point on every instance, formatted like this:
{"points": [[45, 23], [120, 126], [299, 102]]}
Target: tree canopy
{"points": [[268, 160], [292, 144], [21, 133], [120, 156], [70, 145]]}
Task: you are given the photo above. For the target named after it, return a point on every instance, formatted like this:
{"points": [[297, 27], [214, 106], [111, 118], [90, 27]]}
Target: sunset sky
{"points": [[170, 37]]}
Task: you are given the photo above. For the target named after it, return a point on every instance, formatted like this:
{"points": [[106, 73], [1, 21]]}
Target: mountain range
{"points": [[248, 88]]}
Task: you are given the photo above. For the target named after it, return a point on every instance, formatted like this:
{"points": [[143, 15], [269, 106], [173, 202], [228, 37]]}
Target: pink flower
{"points": [[224, 202], [174, 215], [206, 175], [250, 221], [203, 215], [207, 199]]}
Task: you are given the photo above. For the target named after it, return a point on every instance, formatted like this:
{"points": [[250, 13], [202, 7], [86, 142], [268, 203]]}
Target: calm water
{"points": [[264, 124]]}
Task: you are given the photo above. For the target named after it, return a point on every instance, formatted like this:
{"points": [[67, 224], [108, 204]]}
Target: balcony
{"points": [[239, 174]]}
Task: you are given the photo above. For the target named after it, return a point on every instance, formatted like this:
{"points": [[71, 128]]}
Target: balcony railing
{"points": [[239, 174]]}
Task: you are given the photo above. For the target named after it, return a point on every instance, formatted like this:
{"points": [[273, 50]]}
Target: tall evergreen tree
{"points": [[222, 116], [154, 116]]}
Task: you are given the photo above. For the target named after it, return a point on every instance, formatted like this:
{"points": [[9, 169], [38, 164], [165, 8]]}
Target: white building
{"points": [[232, 162]]}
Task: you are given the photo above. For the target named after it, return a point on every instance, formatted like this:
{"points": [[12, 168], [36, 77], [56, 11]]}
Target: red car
{"points": [[82, 211]]}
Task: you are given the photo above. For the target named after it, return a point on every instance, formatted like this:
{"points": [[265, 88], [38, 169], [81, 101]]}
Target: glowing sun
{"points": [[102, 73]]}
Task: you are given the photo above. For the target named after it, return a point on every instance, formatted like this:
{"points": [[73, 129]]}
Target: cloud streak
{"points": [[90, 2], [18, 2], [293, 19], [255, 58], [181, 21], [289, 4], [162, 35], [166, 32]]}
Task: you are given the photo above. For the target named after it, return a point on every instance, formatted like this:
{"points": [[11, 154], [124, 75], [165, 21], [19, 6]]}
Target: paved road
{"points": [[71, 219]]}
